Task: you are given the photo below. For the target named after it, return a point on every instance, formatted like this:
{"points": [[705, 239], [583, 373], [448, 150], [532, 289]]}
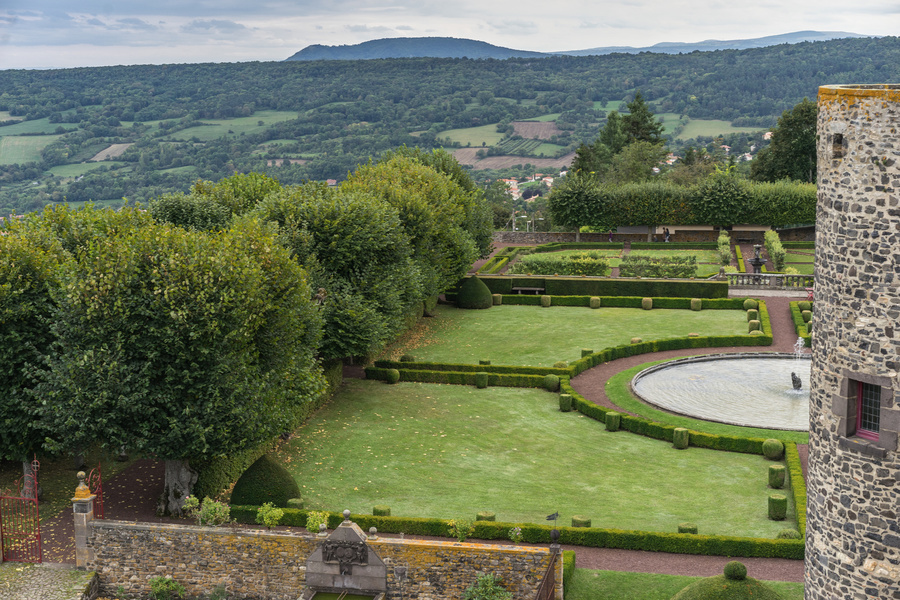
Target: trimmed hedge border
{"points": [[568, 558], [799, 245], [606, 286], [674, 245], [557, 246], [595, 537], [800, 326], [624, 302], [739, 257], [798, 484]]}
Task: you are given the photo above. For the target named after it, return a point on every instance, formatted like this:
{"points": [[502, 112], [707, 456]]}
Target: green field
{"points": [[217, 128], [611, 105], [539, 337], [23, 148], [6, 116], [36, 126], [547, 149], [799, 258], [545, 118], [447, 451], [473, 136], [712, 128]]}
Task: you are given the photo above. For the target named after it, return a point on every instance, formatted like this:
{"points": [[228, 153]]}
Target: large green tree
{"points": [[640, 124], [791, 153], [182, 345]]}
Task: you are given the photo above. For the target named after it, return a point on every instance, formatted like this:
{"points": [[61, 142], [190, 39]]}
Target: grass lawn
{"points": [[23, 148], [34, 126], [703, 256], [82, 168], [445, 451], [794, 257], [587, 584], [474, 136], [547, 149], [535, 336], [233, 127]]}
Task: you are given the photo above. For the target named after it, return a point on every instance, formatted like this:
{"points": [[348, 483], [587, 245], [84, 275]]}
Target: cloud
{"points": [[207, 26]]}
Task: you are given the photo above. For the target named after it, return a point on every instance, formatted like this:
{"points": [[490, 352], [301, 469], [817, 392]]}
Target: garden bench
{"points": [[528, 290], [744, 240]]}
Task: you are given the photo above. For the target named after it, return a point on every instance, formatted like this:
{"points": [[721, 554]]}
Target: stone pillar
{"points": [[83, 507], [852, 537]]}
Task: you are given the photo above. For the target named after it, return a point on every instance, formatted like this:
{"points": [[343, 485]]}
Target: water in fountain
{"points": [[741, 389]]}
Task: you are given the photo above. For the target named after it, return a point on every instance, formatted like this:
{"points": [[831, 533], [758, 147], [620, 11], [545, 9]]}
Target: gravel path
{"points": [[131, 494]]}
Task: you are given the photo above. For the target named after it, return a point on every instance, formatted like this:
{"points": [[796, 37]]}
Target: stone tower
{"points": [[853, 533]]}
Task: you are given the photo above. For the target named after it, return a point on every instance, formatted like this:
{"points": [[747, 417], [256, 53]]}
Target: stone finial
{"points": [[346, 516], [323, 530], [82, 492], [373, 533]]}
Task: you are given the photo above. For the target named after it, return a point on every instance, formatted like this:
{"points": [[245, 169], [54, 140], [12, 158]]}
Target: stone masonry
{"points": [[853, 536]]}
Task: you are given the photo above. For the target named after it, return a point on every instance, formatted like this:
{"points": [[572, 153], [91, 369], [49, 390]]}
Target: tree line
{"points": [[199, 329]]}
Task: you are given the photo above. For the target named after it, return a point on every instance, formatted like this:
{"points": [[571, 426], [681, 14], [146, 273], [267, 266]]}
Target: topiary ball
{"points": [[789, 534], [594, 302], [407, 358], [560, 364], [773, 449], [735, 571], [696, 303], [647, 303], [474, 294], [750, 303], [804, 305], [265, 481], [722, 588], [392, 376]]}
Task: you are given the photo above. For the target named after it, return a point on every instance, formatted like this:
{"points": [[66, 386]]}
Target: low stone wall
{"points": [[272, 565]]}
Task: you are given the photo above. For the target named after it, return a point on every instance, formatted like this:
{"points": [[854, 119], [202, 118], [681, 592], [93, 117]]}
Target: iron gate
{"points": [[20, 526], [95, 484]]}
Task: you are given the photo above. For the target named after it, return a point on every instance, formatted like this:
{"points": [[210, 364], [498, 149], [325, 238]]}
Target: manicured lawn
{"points": [[588, 584], [535, 336], [445, 451], [793, 257]]}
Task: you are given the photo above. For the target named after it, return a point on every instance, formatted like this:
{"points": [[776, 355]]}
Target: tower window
{"points": [[837, 146], [868, 410]]}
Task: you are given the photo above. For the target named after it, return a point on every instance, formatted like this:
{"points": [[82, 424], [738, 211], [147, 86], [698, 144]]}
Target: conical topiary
{"points": [[733, 585], [473, 293], [265, 481]]}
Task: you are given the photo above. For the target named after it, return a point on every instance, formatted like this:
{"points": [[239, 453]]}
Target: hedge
{"points": [[681, 543], [462, 368], [674, 246], [798, 484], [799, 245], [568, 558], [625, 302], [603, 286], [800, 326], [458, 378], [558, 246], [739, 256]]}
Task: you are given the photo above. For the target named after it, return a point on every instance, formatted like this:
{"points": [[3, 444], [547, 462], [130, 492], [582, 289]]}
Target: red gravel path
{"points": [[131, 495]]}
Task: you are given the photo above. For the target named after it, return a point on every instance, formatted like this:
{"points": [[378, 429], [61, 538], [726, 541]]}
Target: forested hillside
{"points": [[137, 131]]}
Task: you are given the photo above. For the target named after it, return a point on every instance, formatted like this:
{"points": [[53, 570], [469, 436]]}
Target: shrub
{"points": [[460, 529], [647, 303], [165, 588], [586, 352], [487, 587], [474, 294], [314, 519], [560, 364], [381, 510], [486, 515], [773, 449], [497, 299], [735, 570], [209, 512], [681, 438], [515, 534], [636, 340], [407, 358], [295, 503], [613, 421], [481, 380], [777, 507], [654, 266], [804, 305], [484, 361], [789, 534], [582, 263], [546, 301], [687, 528], [750, 303], [753, 325], [776, 476], [580, 521], [775, 250], [723, 247], [392, 376], [551, 383], [807, 316], [696, 304], [565, 402], [269, 515], [595, 302], [266, 480], [753, 314]]}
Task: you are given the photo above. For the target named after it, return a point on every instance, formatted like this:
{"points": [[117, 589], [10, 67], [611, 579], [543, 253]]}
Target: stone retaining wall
{"points": [[272, 565]]}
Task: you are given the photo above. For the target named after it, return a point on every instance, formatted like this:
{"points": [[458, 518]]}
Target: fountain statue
{"points": [[796, 381]]}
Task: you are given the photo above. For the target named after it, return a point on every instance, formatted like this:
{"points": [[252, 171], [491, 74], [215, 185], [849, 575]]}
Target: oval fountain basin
{"points": [[753, 390]]}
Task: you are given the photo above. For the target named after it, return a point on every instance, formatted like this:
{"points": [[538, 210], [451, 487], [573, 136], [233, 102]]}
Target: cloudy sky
{"points": [[71, 33]]}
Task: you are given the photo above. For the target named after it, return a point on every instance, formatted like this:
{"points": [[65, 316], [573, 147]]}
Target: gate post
{"points": [[83, 507]]}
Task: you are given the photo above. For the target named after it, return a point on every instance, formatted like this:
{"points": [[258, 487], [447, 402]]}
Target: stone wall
{"points": [[272, 565], [853, 536]]}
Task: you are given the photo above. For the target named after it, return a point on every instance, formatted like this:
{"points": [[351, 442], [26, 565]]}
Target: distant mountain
{"points": [[431, 47], [712, 45], [447, 47]]}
